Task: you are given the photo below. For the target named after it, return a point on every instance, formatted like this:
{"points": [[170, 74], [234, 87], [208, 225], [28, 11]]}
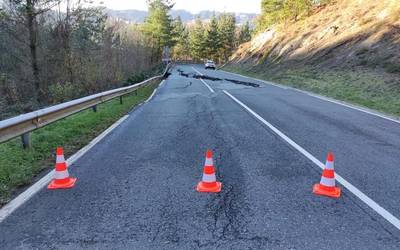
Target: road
{"points": [[136, 187]]}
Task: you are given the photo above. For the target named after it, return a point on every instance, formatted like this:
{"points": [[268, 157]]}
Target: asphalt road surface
{"points": [[136, 188]]}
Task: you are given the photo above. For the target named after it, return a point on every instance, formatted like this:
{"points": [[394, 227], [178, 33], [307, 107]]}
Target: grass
{"points": [[19, 167], [363, 88]]}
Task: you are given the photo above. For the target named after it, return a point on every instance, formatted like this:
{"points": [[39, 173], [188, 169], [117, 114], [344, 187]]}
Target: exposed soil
{"points": [[364, 34]]}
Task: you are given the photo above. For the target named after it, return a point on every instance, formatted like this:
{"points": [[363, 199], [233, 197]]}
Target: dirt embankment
{"points": [[345, 33], [349, 50]]}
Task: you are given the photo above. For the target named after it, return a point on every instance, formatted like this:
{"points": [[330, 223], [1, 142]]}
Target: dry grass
{"points": [[331, 37]]}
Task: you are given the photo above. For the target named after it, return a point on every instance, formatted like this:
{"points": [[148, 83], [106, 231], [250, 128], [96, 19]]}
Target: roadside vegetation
{"points": [[53, 51], [216, 39], [19, 167]]}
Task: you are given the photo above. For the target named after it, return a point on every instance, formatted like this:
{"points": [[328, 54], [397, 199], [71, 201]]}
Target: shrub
{"points": [[63, 92]]}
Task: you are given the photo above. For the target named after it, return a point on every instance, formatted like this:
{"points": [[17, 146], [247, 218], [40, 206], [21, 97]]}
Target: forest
{"points": [[52, 51]]}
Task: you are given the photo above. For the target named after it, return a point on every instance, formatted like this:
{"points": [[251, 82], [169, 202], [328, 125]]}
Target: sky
{"points": [[194, 6]]}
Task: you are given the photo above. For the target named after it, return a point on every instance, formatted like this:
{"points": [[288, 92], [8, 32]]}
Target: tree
{"points": [[26, 12], [294, 9], [226, 30], [275, 11], [180, 39], [158, 25], [78, 51], [271, 13], [212, 39], [244, 33], [196, 40]]}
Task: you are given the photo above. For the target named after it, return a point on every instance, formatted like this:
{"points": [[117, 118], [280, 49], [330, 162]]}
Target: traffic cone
{"points": [[327, 184], [61, 178], [209, 183]]}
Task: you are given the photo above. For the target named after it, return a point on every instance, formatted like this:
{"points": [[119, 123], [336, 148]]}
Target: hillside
{"points": [[348, 49]]}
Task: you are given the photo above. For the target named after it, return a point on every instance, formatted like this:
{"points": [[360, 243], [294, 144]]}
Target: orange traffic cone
{"points": [[209, 183], [61, 176], [327, 184]]}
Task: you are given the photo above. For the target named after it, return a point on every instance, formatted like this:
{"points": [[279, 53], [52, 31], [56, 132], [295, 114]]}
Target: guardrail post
{"points": [[26, 140], [94, 108], [120, 99], [136, 92]]}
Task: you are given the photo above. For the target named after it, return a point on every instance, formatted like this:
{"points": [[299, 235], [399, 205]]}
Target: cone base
{"points": [[320, 190], [205, 189], [69, 184]]}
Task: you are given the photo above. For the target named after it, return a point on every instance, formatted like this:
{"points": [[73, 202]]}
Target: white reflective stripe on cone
{"points": [[329, 182], [60, 159], [329, 165], [209, 162], [209, 178], [61, 174]]}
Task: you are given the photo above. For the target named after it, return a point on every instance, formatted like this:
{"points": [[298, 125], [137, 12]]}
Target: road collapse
{"points": [[211, 78]]}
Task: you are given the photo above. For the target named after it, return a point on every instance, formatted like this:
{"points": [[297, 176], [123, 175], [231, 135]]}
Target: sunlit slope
{"points": [[345, 33]]}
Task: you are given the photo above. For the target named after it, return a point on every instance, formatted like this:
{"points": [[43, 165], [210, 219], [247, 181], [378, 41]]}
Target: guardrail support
{"points": [[120, 99], [26, 140], [94, 108]]}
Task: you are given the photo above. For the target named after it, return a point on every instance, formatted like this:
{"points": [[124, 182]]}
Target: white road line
{"points": [[162, 82], [197, 71], [151, 96], [27, 194], [365, 110], [328, 99], [154, 91], [208, 86], [372, 204]]}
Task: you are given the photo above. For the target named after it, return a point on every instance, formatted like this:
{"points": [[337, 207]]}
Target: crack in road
{"points": [[211, 78]]}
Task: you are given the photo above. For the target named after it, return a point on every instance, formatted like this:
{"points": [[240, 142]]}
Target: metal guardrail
{"points": [[23, 124]]}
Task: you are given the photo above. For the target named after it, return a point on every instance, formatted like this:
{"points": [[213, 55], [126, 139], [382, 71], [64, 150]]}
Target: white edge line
{"points": [[372, 204], [324, 98], [197, 71], [154, 92], [32, 190], [151, 96], [208, 86]]}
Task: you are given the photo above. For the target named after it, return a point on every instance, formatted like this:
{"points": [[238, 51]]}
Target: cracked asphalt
{"points": [[136, 187]]}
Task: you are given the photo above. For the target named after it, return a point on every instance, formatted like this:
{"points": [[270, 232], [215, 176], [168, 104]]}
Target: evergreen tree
{"points": [[275, 11], [196, 40], [226, 30], [212, 39], [244, 33], [294, 9], [158, 25], [180, 39]]}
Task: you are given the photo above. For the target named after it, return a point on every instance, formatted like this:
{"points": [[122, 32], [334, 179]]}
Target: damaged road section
{"points": [[211, 78], [255, 85]]}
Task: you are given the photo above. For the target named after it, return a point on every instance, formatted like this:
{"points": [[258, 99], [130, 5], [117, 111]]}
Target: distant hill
{"points": [[138, 16]]}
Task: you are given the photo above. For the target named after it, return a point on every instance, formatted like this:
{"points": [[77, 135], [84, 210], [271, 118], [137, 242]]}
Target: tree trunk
{"points": [[31, 25], [67, 47]]}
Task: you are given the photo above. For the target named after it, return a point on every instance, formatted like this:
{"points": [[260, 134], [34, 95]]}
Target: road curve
{"points": [[136, 188]]}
